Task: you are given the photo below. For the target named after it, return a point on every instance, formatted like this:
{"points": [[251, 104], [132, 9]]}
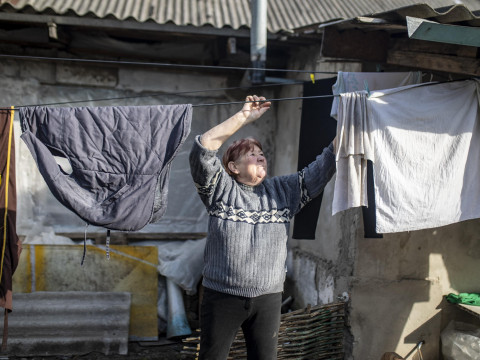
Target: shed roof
{"points": [[283, 15], [396, 19], [415, 36]]}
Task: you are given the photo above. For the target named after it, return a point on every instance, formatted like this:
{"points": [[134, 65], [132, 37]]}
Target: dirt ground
{"points": [[141, 351]]}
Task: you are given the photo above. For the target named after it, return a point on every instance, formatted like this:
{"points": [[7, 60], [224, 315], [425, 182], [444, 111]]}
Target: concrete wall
{"points": [[395, 284], [405, 276]]}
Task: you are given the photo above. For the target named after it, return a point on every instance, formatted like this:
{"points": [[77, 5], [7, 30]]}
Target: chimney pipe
{"points": [[258, 40]]}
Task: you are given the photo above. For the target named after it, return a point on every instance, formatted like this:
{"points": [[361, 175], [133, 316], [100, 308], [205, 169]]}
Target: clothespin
{"points": [[312, 77], [366, 87]]}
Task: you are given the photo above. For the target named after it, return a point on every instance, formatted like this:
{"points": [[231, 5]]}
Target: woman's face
{"points": [[250, 168]]}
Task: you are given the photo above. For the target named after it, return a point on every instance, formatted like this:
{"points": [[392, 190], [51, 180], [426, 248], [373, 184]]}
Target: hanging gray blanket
{"points": [[120, 158]]}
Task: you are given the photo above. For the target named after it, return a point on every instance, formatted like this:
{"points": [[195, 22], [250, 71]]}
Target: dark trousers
{"points": [[222, 315]]}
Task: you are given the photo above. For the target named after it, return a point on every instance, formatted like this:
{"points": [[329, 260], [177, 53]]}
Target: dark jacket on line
{"points": [[120, 157]]}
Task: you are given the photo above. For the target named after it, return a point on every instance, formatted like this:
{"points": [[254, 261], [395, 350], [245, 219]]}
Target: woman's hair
{"points": [[237, 149]]}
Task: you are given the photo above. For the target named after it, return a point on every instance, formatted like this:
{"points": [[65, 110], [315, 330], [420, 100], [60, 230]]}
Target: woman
{"points": [[249, 219]]}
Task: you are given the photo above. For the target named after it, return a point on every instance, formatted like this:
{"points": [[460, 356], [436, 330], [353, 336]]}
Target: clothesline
{"points": [[269, 100], [171, 94], [15, 108], [122, 62], [161, 94], [155, 94]]}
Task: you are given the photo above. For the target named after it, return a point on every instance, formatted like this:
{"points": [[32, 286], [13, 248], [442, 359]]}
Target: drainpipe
{"points": [[258, 40]]}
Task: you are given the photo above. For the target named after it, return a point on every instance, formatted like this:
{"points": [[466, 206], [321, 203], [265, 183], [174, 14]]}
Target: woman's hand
{"points": [[254, 107], [251, 111]]}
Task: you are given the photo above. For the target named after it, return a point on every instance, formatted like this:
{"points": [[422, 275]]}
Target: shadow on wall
{"points": [[400, 284]]}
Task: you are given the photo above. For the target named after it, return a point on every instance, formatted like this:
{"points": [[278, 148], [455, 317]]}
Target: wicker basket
{"points": [[315, 332]]}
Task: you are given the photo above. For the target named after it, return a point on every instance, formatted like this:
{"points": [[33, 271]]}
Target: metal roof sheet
{"points": [[447, 15], [69, 322], [283, 15], [456, 14]]}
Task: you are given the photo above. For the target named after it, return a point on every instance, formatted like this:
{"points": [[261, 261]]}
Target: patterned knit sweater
{"points": [[248, 227]]}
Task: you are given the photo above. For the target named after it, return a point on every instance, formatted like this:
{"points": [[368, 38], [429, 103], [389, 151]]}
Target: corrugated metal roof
{"points": [[448, 15], [282, 14], [454, 14], [69, 322]]}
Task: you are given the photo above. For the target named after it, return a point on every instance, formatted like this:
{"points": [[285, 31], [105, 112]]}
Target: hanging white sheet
{"points": [[424, 142]]}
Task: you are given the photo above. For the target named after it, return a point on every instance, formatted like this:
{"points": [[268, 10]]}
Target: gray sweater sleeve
{"points": [[206, 169], [309, 182], [319, 172]]}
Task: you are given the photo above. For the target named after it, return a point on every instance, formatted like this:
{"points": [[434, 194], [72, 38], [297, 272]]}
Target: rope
{"points": [[7, 180]]}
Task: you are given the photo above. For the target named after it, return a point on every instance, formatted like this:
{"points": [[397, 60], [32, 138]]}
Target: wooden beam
{"points": [[119, 237], [32, 35], [451, 34], [436, 62], [355, 44], [379, 23], [130, 25], [413, 45], [371, 20]]}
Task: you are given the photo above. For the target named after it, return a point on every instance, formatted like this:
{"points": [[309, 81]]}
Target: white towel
{"points": [[424, 142], [352, 151], [355, 81]]}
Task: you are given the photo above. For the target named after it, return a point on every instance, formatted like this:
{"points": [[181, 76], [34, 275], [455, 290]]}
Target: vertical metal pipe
{"points": [[258, 40]]}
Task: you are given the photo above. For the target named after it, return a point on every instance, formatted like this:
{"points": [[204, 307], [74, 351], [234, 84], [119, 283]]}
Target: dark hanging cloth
{"points": [[8, 235], [317, 130], [120, 158], [369, 213]]}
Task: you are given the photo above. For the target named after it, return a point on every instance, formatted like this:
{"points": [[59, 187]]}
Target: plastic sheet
{"points": [[181, 261], [460, 341]]}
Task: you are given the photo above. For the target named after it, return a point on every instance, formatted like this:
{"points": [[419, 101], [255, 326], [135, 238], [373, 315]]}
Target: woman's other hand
{"points": [[255, 107]]}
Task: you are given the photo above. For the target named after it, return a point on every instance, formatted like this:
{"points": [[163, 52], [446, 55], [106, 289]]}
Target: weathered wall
{"points": [[395, 284], [399, 284], [320, 267]]}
